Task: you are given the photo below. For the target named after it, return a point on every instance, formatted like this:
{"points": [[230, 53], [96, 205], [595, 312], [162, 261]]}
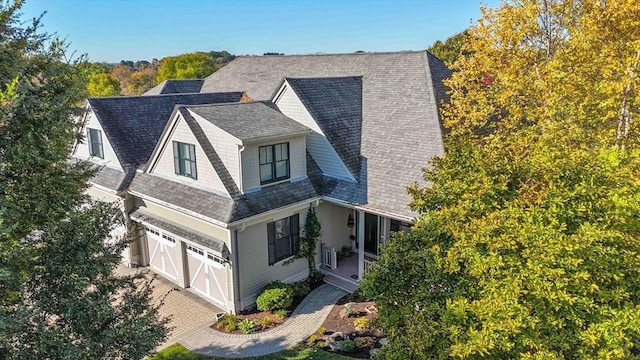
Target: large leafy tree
{"points": [[58, 297], [527, 243], [186, 66], [103, 84], [449, 50]]}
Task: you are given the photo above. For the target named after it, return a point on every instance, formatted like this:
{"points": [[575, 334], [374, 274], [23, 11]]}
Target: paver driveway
{"points": [[185, 309]]}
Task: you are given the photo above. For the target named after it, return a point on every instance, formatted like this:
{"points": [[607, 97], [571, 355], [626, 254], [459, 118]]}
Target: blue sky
{"points": [[112, 30]]}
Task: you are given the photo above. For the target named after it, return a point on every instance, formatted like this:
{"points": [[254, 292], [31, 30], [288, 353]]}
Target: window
{"points": [[399, 226], [274, 163], [184, 159], [284, 236], [95, 143]]}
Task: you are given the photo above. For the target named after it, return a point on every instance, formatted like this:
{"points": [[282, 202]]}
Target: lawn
{"points": [[300, 352]]}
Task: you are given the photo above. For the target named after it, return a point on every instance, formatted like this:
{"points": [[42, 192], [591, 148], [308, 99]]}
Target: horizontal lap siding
{"points": [[255, 271], [333, 219]]}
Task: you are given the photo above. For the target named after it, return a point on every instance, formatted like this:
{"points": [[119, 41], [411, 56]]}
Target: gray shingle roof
{"points": [[336, 105], [249, 122], [176, 87], [220, 207], [133, 124], [401, 128], [165, 224]]}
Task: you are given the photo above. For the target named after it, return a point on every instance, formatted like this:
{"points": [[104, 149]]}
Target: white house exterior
{"points": [[216, 185]]}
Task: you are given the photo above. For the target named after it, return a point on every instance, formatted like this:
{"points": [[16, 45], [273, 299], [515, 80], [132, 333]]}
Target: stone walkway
{"points": [[304, 321]]}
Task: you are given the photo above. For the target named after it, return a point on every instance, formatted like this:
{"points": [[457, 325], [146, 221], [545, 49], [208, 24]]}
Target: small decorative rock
{"points": [[333, 341], [383, 341], [374, 351], [371, 309]]}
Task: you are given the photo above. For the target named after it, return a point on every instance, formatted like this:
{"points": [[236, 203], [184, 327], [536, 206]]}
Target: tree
{"points": [[186, 66], [103, 84], [58, 297], [527, 243], [449, 50]]}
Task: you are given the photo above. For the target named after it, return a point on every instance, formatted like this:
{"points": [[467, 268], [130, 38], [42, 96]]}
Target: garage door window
{"points": [[283, 238]]}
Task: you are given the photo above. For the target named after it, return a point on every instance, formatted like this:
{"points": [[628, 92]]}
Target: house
{"points": [[218, 188]]}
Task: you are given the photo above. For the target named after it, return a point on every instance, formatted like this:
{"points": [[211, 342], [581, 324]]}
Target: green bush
{"points": [[227, 323], [347, 346], [365, 342], [275, 298], [177, 352], [301, 288], [347, 310], [248, 326]]}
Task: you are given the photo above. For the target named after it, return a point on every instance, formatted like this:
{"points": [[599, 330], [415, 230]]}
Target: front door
{"points": [[371, 233]]}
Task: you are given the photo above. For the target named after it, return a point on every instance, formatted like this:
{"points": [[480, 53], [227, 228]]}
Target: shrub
{"points": [[275, 298], [347, 310], [265, 322], [177, 352], [301, 288], [313, 338], [321, 344], [365, 342], [347, 346], [361, 323], [280, 313], [248, 326], [321, 330], [227, 323]]}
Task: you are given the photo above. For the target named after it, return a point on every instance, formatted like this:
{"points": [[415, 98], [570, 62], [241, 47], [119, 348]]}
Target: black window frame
{"points": [[95, 143], [180, 159], [289, 241], [272, 150]]}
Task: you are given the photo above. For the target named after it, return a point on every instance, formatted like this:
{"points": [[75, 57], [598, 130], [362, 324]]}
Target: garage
{"points": [[207, 273], [164, 253]]}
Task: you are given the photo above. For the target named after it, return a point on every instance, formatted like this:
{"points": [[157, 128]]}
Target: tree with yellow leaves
{"points": [[527, 243]]}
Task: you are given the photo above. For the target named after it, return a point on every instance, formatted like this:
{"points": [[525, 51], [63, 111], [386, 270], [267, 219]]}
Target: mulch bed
{"points": [[256, 315]]}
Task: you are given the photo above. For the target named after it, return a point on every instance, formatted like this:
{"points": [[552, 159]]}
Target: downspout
{"points": [[240, 150], [236, 272]]}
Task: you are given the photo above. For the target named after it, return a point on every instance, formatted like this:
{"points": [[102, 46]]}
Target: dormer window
{"points": [[95, 143], [274, 163], [184, 159]]}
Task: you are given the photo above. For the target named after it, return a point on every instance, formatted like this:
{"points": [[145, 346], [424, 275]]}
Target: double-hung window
{"points": [[95, 143], [284, 238], [274, 163], [184, 159]]}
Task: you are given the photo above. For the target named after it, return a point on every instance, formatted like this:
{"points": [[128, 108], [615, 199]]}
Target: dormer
{"points": [[332, 108], [231, 148]]}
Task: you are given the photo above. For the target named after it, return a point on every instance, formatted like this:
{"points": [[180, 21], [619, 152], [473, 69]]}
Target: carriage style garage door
{"points": [[207, 274], [164, 253]]}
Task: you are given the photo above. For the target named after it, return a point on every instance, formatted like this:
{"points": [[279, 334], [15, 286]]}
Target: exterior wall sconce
{"points": [[350, 221]]}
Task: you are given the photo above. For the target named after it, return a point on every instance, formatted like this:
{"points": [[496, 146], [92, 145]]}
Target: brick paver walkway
{"points": [[304, 321], [184, 309]]}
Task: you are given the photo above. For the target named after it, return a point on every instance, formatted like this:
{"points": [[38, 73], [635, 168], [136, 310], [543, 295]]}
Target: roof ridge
{"points": [[339, 54], [160, 95]]}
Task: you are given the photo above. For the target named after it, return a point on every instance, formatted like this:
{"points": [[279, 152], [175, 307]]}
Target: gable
{"points": [[317, 143], [81, 149], [164, 165]]}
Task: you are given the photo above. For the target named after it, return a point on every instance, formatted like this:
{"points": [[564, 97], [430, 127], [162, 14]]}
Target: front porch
{"points": [[352, 239]]}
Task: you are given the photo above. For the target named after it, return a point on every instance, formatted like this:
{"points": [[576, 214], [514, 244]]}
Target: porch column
{"points": [[360, 215]]}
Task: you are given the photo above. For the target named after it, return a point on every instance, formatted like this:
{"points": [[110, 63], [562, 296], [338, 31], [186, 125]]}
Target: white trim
{"points": [[369, 210], [267, 216], [167, 132], [107, 190]]}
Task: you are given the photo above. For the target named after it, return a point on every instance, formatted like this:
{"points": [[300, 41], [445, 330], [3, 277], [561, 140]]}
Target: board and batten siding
{"points": [[82, 148], [251, 161], [226, 147], [253, 258], [317, 143], [207, 177]]}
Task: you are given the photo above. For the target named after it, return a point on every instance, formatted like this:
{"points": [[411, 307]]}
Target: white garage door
{"points": [[207, 274], [164, 254]]}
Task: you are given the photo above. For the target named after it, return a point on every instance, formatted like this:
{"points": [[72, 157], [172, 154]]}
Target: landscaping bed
{"points": [[348, 329], [274, 305]]}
